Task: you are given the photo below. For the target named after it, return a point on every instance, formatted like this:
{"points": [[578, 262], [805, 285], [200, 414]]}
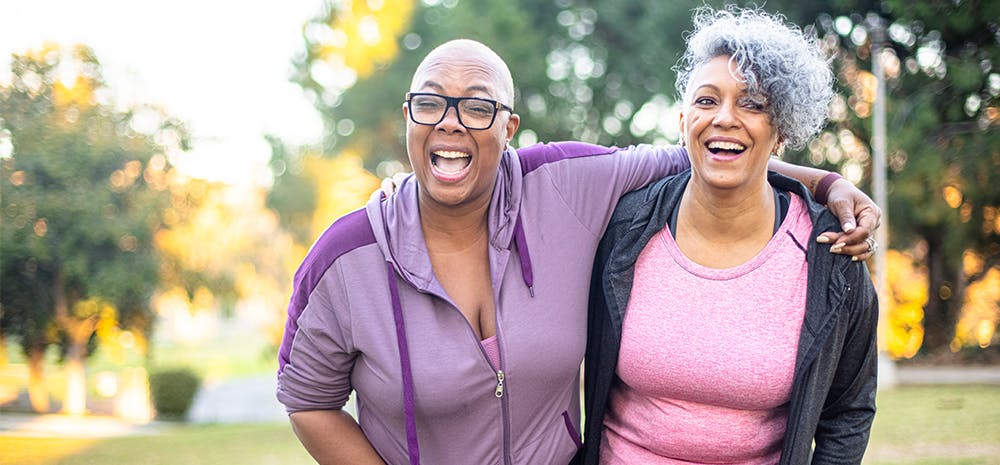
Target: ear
{"points": [[779, 148], [680, 122], [513, 122]]}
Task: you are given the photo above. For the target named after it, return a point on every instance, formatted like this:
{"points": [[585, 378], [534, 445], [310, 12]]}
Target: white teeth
{"points": [[720, 145], [451, 154]]}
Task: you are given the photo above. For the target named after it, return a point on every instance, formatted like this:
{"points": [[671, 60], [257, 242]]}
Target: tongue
{"points": [[451, 165]]}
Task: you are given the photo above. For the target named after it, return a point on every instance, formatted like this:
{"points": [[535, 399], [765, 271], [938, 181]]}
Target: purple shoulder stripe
{"points": [[346, 234], [539, 154]]}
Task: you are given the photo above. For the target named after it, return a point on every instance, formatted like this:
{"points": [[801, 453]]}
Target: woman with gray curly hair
{"points": [[772, 347]]}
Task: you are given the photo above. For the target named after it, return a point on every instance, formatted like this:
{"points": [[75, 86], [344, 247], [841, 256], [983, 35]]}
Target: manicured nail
{"points": [[823, 240], [836, 247], [848, 226], [854, 258]]}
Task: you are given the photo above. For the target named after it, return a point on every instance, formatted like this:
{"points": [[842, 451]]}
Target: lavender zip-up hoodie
{"points": [[341, 335]]}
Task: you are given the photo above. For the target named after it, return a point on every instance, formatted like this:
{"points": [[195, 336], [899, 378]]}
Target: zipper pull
{"points": [[499, 391]]}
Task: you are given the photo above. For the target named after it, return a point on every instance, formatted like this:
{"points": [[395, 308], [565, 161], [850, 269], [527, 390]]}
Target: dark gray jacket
{"points": [[833, 389]]}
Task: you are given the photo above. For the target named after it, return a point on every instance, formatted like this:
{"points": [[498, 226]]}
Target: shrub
{"points": [[173, 392]]}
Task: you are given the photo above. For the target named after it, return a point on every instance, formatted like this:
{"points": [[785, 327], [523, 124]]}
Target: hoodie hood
{"points": [[395, 221]]}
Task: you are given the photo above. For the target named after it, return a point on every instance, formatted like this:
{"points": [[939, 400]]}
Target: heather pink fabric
{"points": [[707, 355], [492, 349]]}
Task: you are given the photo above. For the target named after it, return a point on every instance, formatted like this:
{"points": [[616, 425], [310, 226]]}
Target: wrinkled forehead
{"points": [[465, 70]]}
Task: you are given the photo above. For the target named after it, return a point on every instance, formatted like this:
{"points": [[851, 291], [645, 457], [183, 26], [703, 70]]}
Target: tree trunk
{"points": [[943, 300], [78, 331], [3, 346], [76, 379], [37, 393]]}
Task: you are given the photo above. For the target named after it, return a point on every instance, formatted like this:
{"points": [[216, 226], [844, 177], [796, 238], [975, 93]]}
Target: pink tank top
{"points": [[492, 350]]}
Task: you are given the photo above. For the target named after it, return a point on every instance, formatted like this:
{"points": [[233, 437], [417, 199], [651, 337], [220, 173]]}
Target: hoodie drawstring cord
{"points": [[524, 256], [404, 365]]}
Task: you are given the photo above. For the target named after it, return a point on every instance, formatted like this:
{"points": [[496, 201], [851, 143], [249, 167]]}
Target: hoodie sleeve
{"points": [[846, 419], [317, 373], [592, 185]]}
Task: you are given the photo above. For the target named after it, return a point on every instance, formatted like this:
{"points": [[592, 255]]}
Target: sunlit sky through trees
{"points": [[221, 66]]}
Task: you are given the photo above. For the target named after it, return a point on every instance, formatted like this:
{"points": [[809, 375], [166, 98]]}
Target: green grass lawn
{"points": [[936, 425], [257, 444], [922, 425]]}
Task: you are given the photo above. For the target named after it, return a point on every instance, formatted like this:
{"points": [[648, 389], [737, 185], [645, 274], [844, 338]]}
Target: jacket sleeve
{"points": [[317, 375], [846, 419], [591, 185]]}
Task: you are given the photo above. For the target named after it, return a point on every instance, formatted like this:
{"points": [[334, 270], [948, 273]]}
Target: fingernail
{"points": [[823, 240], [848, 226], [836, 247], [854, 258]]}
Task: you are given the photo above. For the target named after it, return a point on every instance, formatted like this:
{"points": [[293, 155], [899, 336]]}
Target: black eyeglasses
{"points": [[473, 112]]}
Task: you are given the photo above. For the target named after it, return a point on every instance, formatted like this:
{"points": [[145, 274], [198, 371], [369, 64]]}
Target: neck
{"points": [[727, 216], [453, 229]]}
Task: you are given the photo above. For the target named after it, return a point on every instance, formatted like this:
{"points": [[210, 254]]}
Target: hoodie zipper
{"points": [[499, 390], [504, 404]]}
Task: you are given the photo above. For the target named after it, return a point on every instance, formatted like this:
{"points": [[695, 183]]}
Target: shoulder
{"points": [[538, 155], [669, 186], [349, 232]]}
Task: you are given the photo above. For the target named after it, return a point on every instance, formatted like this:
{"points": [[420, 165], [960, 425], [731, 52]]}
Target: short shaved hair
{"points": [[474, 50]]}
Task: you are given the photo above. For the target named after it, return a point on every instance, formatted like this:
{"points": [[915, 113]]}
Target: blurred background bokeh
{"points": [[164, 167]]}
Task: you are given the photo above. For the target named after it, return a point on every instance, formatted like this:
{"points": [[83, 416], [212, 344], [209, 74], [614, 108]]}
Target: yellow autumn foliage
{"points": [[904, 331], [980, 313], [343, 185], [907, 296], [365, 33]]}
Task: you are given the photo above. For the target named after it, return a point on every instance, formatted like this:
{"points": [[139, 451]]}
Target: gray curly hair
{"points": [[775, 59]]}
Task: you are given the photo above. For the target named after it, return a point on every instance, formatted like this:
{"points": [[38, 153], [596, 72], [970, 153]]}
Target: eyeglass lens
{"points": [[473, 113]]}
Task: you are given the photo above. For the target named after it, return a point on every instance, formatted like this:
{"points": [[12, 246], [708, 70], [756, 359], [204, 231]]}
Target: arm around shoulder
{"points": [[332, 437]]}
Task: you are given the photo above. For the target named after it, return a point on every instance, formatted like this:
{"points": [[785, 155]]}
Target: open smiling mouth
{"points": [[725, 148], [450, 162]]}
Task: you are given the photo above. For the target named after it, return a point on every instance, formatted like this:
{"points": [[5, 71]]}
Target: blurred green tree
{"points": [[943, 136], [84, 184], [367, 117]]}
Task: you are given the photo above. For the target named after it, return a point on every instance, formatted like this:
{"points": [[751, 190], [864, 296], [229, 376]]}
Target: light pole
{"points": [[876, 27]]}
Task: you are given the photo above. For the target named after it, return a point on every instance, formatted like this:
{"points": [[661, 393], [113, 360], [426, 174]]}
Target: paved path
{"points": [[252, 400], [237, 400], [241, 400], [948, 375]]}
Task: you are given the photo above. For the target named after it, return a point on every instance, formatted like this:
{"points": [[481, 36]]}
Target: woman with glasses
{"points": [[455, 309]]}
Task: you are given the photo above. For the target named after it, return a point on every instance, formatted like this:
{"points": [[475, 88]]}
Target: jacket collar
{"points": [[651, 213]]}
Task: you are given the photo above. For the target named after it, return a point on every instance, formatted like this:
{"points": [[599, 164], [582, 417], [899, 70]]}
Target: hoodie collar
{"points": [[395, 221]]}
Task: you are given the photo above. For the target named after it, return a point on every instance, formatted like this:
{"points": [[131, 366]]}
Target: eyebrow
{"points": [[439, 87], [743, 90]]}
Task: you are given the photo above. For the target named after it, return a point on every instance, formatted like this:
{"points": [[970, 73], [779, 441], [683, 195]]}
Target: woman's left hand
{"points": [[859, 217]]}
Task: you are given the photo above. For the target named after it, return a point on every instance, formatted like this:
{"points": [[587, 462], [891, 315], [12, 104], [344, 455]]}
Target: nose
{"points": [[726, 116], [450, 122]]}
